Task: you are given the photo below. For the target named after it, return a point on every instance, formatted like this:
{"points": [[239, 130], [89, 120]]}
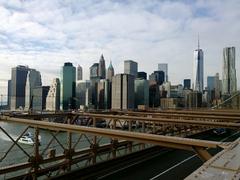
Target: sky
{"points": [[44, 34]]}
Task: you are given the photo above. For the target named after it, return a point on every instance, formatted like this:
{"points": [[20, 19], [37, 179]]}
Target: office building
{"points": [[110, 72], [213, 87], [172, 103], [81, 89], [39, 98], [68, 86], [198, 70], [131, 67], [187, 83], [88, 100], [33, 80], [123, 91], [211, 82], [176, 91], [194, 99], [102, 68], [53, 96], [229, 79], [158, 76], [164, 67], [166, 87], [18, 83], [141, 90], [154, 94], [79, 73], [94, 72], [218, 86], [104, 94], [142, 75]]}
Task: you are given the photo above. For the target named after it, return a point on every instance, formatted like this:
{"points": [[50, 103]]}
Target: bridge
{"points": [[106, 136]]}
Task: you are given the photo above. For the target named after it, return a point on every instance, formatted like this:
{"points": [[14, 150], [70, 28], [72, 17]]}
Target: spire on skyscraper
{"points": [[198, 69], [101, 58], [102, 69], [110, 71], [110, 65]]}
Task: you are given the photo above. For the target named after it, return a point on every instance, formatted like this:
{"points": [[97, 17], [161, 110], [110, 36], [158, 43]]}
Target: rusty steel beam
{"points": [[230, 125], [39, 116], [202, 153], [213, 114], [200, 112], [20, 166], [166, 141], [183, 115]]}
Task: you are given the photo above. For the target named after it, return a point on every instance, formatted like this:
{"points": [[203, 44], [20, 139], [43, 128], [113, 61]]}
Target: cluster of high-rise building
{"points": [[129, 90]]}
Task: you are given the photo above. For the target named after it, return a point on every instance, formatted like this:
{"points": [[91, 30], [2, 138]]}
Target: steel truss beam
{"points": [[230, 125], [166, 141], [205, 116]]}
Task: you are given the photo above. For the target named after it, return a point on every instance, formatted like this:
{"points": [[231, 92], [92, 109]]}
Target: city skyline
{"points": [[153, 33]]}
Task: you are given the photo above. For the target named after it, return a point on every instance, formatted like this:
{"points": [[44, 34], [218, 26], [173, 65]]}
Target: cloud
{"points": [[45, 34]]}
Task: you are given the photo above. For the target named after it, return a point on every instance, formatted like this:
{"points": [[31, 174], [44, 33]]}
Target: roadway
{"points": [[168, 164]]}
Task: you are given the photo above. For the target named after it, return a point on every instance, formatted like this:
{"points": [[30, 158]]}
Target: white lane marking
{"points": [[133, 164], [173, 166], [230, 136], [155, 177]]}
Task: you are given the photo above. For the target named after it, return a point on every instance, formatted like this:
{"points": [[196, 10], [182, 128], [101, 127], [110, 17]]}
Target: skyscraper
{"points": [[229, 78], [131, 67], [18, 83], [157, 76], [94, 78], [218, 86], [211, 83], [142, 75], [94, 72], [164, 67], [198, 70], [154, 94], [68, 86], [103, 94], [79, 73], [141, 89], [123, 91], [53, 97], [110, 72], [187, 83], [81, 89], [40, 96], [33, 80], [102, 68], [211, 87]]}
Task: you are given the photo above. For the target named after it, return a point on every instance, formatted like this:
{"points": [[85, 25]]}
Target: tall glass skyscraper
{"points": [[198, 70], [164, 67], [131, 67], [18, 83], [79, 73], [94, 72], [229, 78], [33, 80], [68, 86]]}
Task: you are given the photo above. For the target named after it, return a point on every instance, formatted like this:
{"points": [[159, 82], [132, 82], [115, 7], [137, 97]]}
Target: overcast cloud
{"points": [[44, 34]]}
